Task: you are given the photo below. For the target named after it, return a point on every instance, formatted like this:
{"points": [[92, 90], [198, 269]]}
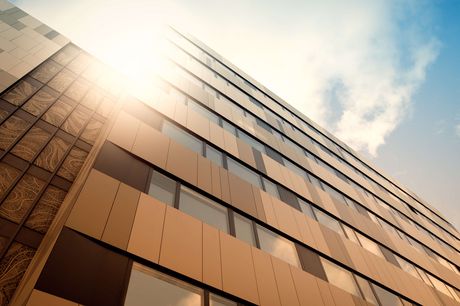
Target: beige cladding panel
{"points": [[325, 291], [118, 227], [198, 124], [268, 208], [306, 287], [241, 195], [147, 230], [182, 162], [265, 277], [124, 131], [259, 204], [285, 219], [182, 244], [238, 273], [212, 265], [341, 297], [204, 174], [284, 282], [217, 135], [91, 210], [215, 181], [151, 145]]}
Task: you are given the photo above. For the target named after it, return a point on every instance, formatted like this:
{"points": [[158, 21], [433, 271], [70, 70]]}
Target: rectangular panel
{"points": [[212, 270], [285, 283], [182, 162], [118, 227], [238, 269], [87, 217], [266, 282], [151, 145], [147, 230], [182, 243]]}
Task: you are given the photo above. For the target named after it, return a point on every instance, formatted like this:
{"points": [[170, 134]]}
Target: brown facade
{"points": [[201, 193]]}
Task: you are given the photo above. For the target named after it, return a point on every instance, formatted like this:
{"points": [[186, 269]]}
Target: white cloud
{"points": [[457, 130], [352, 66]]}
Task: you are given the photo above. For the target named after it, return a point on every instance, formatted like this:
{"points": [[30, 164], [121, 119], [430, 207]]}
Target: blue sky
{"points": [[381, 75]]}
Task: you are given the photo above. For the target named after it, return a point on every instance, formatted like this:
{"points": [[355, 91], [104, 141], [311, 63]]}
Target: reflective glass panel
{"points": [[214, 155], [149, 287], [243, 229], [204, 209], [243, 172], [340, 277], [162, 188], [277, 246], [183, 137]]}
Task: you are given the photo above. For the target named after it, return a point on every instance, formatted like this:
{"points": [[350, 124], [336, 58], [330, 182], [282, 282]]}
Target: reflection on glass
{"points": [[182, 137], [277, 246], [366, 290], [306, 208], [203, 208], [407, 266], [271, 188], [370, 245], [217, 300], [149, 287], [340, 277], [385, 297], [329, 222], [243, 229], [243, 172], [162, 188], [214, 155]]}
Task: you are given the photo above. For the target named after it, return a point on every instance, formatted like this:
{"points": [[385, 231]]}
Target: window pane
{"points": [[366, 290], [370, 245], [243, 172], [230, 128], [306, 209], [182, 137], [385, 297], [271, 188], [340, 277], [351, 234], [328, 221], [216, 300], [162, 188], [204, 112], [277, 246], [407, 266], [149, 287], [251, 141], [214, 155], [203, 208], [243, 229]]}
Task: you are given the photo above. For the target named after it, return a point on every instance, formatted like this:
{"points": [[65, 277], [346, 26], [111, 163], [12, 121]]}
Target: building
{"points": [[211, 191]]}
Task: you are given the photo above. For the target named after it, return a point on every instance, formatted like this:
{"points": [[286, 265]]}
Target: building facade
{"points": [[210, 190]]}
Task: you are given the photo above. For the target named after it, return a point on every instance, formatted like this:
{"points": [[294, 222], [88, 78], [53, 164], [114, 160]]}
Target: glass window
{"points": [[243, 229], [214, 155], [203, 208], [204, 112], [229, 127], [251, 141], [366, 290], [243, 172], [150, 287], [306, 208], [370, 245], [385, 297], [162, 188], [407, 266], [328, 221], [277, 246], [350, 234], [294, 168], [271, 188], [217, 300], [183, 137], [315, 181], [340, 277]]}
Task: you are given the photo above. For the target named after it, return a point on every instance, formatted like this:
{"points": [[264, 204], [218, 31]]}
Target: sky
{"points": [[382, 76]]}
